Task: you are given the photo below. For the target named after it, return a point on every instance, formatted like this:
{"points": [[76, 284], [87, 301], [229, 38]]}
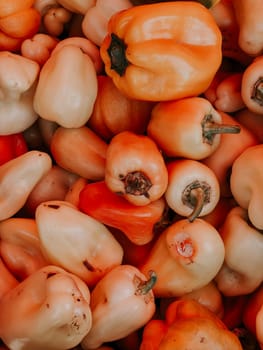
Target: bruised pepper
{"points": [[162, 51]]}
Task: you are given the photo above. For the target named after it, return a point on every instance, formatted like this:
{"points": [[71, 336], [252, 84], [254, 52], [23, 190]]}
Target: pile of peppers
{"points": [[131, 138]]}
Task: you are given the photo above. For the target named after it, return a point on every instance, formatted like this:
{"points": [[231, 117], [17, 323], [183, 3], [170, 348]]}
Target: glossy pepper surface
{"points": [[162, 51]]}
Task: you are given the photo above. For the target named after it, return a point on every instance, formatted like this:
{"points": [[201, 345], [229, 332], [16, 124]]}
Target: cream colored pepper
{"points": [[18, 177], [95, 20], [121, 302], [67, 87], [186, 256], [76, 242], [18, 77], [48, 310]]}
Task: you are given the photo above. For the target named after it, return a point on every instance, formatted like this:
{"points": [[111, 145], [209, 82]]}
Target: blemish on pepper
{"points": [[185, 248], [53, 206], [88, 266], [51, 274]]}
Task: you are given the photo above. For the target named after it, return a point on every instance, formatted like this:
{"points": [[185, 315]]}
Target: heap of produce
{"points": [[131, 175]]}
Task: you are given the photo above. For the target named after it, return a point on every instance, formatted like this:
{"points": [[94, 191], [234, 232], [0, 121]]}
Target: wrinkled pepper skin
{"points": [[162, 51]]}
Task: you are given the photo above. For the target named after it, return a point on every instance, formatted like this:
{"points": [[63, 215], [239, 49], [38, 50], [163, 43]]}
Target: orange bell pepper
{"points": [[188, 128], [19, 20], [188, 325], [162, 51], [135, 168]]}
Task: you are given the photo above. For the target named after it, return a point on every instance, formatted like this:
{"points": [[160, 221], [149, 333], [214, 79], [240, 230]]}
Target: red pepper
{"points": [[136, 222], [12, 146]]}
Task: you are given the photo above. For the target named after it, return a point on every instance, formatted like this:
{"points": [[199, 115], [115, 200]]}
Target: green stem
{"points": [[195, 196], [211, 128], [144, 287], [199, 198]]}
